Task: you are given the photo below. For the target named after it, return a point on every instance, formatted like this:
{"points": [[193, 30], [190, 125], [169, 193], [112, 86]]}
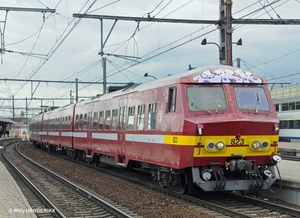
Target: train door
{"points": [[122, 126], [90, 132]]}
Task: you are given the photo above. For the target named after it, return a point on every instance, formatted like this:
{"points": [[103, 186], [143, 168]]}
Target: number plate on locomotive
{"points": [[236, 141]]}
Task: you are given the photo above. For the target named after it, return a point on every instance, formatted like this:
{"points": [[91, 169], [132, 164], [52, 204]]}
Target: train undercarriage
{"points": [[234, 175]]}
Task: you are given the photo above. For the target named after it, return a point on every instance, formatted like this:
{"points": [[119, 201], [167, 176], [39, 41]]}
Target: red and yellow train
{"points": [[214, 128]]}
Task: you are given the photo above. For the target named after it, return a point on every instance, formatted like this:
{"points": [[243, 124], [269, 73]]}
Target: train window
{"points": [[121, 118], [206, 98], [152, 116], [95, 120], [131, 111], [80, 121], [85, 121], [101, 119], [124, 117], [76, 121], [292, 106], [285, 106], [114, 119], [251, 98], [90, 120], [297, 124], [69, 122], [107, 119], [283, 124], [172, 97], [62, 123], [289, 124], [66, 123], [140, 117]]}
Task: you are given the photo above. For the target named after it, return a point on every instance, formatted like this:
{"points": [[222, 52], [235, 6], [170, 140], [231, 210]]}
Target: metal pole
{"points": [[13, 106], [228, 32], [26, 113], [104, 74], [71, 97], [76, 90]]}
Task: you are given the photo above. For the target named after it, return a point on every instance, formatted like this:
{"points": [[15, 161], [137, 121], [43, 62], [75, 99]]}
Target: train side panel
{"points": [[213, 127]]}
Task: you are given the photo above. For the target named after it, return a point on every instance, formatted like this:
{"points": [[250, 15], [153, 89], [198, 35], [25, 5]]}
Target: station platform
{"points": [[289, 148], [12, 201], [289, 170]]}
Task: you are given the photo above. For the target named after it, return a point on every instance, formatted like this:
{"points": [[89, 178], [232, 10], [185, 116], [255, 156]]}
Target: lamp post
{"points": [[204, 42], [147, 75]]}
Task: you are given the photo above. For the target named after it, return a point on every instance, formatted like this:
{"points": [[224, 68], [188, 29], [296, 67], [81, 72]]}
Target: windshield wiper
{"points": [[257, 103], [196, 107]]}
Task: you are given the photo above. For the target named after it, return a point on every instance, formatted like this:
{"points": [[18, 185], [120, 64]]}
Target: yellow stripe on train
{"points": [[203, 145]]}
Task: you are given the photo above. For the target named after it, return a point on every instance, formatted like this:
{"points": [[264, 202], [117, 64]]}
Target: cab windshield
{"points": [[251, 98], [206, 98]]}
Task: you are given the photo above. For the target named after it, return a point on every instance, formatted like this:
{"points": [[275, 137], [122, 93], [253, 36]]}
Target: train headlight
{"points": [[255, 145], [265, 145], [210, 146], [220, 145], [276, 128]]}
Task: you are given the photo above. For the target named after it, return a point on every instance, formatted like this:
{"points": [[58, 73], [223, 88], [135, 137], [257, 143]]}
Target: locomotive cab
{"points": [[236, 128]]}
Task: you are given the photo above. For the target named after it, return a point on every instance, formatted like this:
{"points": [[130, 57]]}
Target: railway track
{"points": [[252, 207], [34, 197], [221, 205], [64, 198]]}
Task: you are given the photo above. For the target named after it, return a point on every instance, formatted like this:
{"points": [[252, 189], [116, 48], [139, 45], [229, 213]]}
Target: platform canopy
{"points": [[7, 120]]}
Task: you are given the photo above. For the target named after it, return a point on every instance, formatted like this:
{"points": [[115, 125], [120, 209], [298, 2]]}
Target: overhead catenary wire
{"points": [[148, 58], [54, 49], [129, 64]]}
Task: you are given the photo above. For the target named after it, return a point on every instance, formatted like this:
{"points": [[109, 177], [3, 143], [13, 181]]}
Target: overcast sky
{"points": [[62, 48]]}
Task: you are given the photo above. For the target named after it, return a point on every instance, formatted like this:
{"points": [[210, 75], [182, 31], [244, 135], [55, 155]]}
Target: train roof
{"points": [[205, 75], [220, 74]]}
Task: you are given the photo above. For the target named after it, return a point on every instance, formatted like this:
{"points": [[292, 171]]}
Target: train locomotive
{"points": [[213, 128]]}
